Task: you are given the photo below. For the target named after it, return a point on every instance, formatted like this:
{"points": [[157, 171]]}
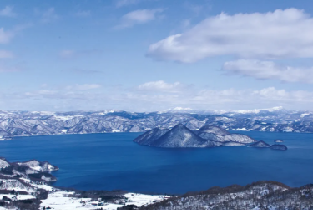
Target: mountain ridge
{"points": [[27, 123], [181, 136]]}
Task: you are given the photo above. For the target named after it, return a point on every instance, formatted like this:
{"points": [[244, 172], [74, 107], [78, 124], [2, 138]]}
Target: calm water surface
{"points": [[114, 161]]}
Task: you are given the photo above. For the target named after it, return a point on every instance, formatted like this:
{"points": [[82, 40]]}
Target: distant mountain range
{"points": [[25, 123]]}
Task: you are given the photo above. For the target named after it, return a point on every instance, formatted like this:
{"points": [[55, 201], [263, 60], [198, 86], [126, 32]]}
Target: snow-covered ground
{"points": [[18, 186], [60, 200], [18, 197], [63, 200], [13, 208]]}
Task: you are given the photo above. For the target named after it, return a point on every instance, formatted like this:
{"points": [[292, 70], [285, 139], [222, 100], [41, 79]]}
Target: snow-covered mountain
{"points": [[215, 133], [16, 123], [207, 136], [181, 136], [258, 195], [149, 137], [178, 136]]}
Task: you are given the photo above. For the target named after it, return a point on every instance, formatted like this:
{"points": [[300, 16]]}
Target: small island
{"points": [[279, 147], [278, 141], [180, 136], [207, 136], [260, 143]]}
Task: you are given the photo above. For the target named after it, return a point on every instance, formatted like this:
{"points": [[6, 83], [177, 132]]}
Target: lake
{"points": [[113, 161]]}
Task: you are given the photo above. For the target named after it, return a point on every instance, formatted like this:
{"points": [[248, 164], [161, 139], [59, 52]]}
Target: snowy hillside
{"points": [[207, 136], [25, 123], [181, 136], [258, 195], [25, 185]]}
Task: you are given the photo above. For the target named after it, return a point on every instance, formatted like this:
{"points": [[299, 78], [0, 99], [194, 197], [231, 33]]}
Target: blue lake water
{"points": [[114, 161]]}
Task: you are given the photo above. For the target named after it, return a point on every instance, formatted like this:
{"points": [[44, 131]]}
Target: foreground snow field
{"points": [[63, 200]]}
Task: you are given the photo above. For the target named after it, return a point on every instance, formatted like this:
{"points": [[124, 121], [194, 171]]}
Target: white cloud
{"points": [[6, 68], [69, 54], [266, 97], [92, 96], [86, 71], [71, 95], [48, 15], [5, 54], [162, 95], [198, 8], [185, 23], [279, 34], [207, 99], [160, 85], [5, 36], [122, 3], [7, 12], [141, 16], [62, 92], [83, 87], [269, 70], [272, 93], [83, 13], [41, 93]]}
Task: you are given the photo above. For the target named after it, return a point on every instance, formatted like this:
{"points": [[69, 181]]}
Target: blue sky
{"points": [[145, 55]]}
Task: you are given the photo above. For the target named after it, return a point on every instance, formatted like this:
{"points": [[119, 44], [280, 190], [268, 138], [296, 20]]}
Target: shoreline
{"points": [[143, 132]]}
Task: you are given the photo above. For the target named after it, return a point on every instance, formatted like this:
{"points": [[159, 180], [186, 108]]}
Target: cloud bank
{"points": [[152, 96], [122, 3], [257, 39], [279, 34], [160, 85], [7, 12], [269, 70], [140, 16]]}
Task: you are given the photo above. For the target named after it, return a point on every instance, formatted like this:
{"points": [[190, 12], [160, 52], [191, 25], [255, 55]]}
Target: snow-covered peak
{"points": [[260, 143], [43, 112], [39, 166], [255, 111], [63, 118], [213, 129], [3, 163], [47, 113]]}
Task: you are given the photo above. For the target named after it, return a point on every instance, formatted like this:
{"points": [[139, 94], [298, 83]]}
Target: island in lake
{"points": [[207, 136]]}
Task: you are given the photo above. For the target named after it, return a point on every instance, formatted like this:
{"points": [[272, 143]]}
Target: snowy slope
{"points": [[181, 136], [25, 123]]}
